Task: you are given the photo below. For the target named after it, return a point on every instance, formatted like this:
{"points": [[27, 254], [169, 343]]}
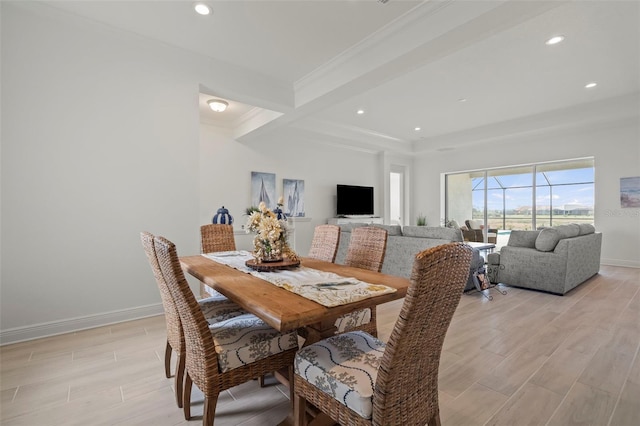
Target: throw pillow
{"points": [[586, 228], [523, 238], [547, 239], [568, 231]]}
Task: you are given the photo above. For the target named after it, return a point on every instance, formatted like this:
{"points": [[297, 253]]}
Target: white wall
{"points": [[101, 140], [615, 146], [226, 166]]}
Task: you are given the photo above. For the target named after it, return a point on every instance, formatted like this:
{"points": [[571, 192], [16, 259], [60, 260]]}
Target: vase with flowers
{"points": [[270, 243]]}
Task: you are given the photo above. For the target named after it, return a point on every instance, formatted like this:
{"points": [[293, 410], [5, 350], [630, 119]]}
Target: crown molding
{"points": [[247, 117], [257, 123]]}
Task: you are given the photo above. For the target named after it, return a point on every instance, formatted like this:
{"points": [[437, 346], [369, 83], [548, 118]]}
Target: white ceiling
{"points": [[405, 63]]}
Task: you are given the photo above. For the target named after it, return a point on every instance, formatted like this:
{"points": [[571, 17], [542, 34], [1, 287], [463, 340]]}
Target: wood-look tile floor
{"points": [[525, 358]]}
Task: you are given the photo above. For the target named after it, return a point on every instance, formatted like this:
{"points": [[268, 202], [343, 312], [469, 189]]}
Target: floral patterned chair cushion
{"points": [[219, 308], [344, 366], [245, 338], [352, 320]]}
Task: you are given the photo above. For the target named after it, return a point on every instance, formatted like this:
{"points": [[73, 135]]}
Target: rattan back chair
{"points": [[406, 386], [175, 336], [202, 364], [216, 237], [367, 247], [324, 245]]}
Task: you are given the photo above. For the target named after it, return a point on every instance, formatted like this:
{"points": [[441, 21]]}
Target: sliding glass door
{"points": [[521, 197]]}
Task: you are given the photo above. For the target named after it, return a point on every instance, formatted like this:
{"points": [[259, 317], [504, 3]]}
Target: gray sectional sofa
{"points": [[403, 243], [554, 259]]}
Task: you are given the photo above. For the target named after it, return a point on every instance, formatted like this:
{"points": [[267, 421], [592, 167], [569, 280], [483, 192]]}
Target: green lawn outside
{"points": [[523, 222]]}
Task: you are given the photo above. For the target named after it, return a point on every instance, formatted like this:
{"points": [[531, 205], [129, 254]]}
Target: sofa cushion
{"points": [[586, 228], [523, 238], [548, 239], [348, 227], [401, 253], [568, 231], [391, 229], [436, 232]]}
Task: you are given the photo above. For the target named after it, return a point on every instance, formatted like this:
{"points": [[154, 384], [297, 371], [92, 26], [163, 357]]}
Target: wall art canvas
{"points": [[293, 194], [263, 188], [630, 192]]}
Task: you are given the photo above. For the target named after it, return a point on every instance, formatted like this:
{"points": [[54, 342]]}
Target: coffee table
{"points": [[486, 247]]}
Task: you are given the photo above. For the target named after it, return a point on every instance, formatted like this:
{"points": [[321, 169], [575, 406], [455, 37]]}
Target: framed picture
{"points": [[263, 188], [630, 192], [293, 194]]}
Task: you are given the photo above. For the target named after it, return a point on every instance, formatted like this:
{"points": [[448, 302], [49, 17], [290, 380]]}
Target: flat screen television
{"points": [[354, 200]]}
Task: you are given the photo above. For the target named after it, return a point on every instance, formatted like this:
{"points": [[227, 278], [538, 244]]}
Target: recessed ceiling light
{"points": [[417, 129], [218, 105], [590, 85], [462, 100], [202, 9], [554, 40], [360, 111]]}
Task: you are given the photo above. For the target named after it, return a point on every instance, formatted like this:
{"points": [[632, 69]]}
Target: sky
{"points": [[518, 191]]}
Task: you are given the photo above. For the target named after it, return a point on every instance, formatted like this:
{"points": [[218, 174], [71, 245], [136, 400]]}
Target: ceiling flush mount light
{"points": [[590, 85], [554, 40], [218, 105], [360, 112], [202, 9]]}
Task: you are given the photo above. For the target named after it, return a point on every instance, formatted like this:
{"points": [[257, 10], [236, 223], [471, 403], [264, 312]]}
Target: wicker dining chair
{"points": [[215, 237], [214, 309], [225, 354], [366, 250], [324, 244], [356, 379]]}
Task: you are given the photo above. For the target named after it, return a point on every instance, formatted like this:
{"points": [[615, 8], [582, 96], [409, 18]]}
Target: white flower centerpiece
{"points": [[270, 243]]}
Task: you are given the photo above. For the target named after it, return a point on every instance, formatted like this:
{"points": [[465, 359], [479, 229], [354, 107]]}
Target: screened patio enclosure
{"points": [[522, 197]]}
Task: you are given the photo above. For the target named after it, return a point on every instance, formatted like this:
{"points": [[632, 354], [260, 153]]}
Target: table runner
{"points": [[325, 288]]}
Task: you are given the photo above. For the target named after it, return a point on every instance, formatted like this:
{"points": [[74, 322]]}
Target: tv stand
{"points": [[360, 219]]}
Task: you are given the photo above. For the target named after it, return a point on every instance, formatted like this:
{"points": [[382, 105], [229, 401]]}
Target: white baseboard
{"points": [[36, 331], [619, 262]]}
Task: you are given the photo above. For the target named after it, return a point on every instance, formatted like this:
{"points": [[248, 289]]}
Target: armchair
{"points": [[474, 230]]}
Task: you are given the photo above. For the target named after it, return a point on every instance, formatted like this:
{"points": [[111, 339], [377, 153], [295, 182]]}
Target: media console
{"points": [[346, 220]]}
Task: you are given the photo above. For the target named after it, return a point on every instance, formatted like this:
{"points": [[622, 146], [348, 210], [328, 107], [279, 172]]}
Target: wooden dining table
{"points": [[287, 311], [282, 309]]}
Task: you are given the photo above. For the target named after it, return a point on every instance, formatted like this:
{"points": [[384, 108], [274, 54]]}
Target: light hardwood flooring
{"points": [[525, 358]]}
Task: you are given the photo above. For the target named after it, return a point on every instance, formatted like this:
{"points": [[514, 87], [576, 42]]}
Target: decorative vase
{"points": [[279, 213], [223, 217], [265, 251], [272, 258]]}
